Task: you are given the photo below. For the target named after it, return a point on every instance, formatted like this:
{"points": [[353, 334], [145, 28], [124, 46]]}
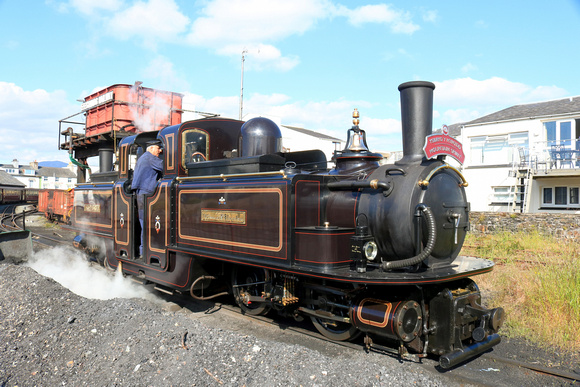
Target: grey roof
{"points": [[566, 106], [56, 172], [312, 133], [8, 181], [11, 166], [454, 130]]}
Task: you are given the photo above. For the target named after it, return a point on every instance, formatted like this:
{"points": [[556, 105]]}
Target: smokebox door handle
{"points": [[401, 170]]}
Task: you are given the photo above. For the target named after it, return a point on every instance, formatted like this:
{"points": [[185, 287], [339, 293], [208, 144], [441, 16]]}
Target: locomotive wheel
{"points": [[333, 330], [249, 281]]}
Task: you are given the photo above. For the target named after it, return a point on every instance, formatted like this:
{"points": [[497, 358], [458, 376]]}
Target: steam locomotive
{"points": [[357, 248]]}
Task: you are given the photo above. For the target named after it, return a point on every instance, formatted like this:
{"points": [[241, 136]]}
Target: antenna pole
{"points": [[242, 85]]}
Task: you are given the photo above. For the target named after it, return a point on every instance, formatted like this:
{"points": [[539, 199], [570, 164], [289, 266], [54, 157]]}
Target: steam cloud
{"points": [[71, 269], [147, 118]]}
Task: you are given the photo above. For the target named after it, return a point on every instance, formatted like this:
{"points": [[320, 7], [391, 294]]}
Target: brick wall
{"points": [[560, 225]]}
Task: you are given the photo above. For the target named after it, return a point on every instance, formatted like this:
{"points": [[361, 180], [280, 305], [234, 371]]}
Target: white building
{"points": [[525, 158], [35, 176], [59, 178], [298, 139]]}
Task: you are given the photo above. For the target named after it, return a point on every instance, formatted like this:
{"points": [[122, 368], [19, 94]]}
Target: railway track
{"points": [[8, 218], [13, 220], [463, 373], [566, 375], [10, 222]]}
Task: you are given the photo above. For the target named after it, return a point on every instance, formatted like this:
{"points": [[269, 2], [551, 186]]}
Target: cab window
{"points": [[195, 146]]}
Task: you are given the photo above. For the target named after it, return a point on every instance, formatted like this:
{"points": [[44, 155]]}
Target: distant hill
{"points": [[55, 164]]}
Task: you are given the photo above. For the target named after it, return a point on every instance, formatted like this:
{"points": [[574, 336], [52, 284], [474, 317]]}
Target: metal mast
{"points": [[242, 85]]}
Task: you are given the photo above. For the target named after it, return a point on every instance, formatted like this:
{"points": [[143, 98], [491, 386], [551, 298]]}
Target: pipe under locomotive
{"points": [[359, 248]]}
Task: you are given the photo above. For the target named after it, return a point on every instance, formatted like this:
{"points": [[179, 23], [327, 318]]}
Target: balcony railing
{"points": [[549, 155]]}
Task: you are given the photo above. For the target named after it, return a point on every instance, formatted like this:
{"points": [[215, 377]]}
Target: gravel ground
{"points": [[110, 331], [50, 336]]}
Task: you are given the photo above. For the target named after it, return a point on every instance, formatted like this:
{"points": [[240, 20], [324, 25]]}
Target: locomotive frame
{"points": [[359, 248]]}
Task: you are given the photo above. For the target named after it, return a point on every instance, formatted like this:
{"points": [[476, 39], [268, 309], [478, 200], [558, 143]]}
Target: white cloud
{"points": [[230, 26], [398, 21], [29, 123], [491, 92], [382, 126], [262, 55], [227, 27], [162, 70], [255, 21], [455, 116], [224, 106], [468, 68], [90, 7], [472, 98], [332, 118], [153, 21], [543, 93], [430, 16]]}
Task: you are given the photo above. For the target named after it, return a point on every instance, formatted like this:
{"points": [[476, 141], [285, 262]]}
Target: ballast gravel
{"points": [[50, 336]]}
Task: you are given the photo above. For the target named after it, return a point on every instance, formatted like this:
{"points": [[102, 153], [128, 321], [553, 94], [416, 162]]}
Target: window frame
{"points": [[499, 148], [504, 195], [554, 130], [560, 196], [186, 157]]}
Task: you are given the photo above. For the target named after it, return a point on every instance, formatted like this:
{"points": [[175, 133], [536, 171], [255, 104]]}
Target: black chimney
{"points": [[416, 118], [105, 160]]}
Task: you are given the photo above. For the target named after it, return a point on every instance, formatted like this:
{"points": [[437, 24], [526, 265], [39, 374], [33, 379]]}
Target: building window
{"points": [[561, 196], [559, 133], [503, 195], [547, 196], [574, 195], [497, 150], [477, 144]]}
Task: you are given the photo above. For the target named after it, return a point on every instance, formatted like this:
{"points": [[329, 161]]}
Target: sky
{"points": [[307, 63]]}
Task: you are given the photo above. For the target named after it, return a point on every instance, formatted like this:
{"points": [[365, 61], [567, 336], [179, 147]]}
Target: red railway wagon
{"points": [[56, 204]]}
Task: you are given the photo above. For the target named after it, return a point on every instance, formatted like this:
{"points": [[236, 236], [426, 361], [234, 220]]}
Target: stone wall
{"points": [[559, 225]]}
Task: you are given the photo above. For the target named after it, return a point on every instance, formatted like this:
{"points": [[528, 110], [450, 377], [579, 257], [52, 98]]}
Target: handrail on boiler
{"points": [[425, 182], [224, 177]]}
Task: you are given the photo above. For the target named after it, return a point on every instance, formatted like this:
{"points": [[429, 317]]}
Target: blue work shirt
{"points": [[146, 172]]}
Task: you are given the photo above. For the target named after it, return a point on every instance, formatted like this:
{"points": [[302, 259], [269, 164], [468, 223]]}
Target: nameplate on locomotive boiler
{"points": [[92, 208], [223, 216]]}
